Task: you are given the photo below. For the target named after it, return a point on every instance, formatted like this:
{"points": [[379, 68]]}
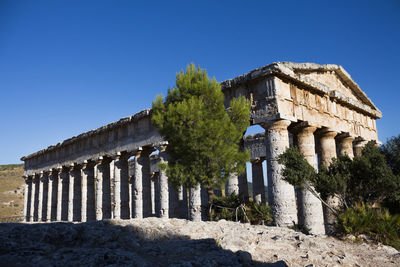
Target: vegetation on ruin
{"points": [[367, 186], [203, 135], [247, 211]]}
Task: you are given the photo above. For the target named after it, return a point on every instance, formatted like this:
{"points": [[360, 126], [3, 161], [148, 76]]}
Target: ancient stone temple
{"points": [[111, 172]]}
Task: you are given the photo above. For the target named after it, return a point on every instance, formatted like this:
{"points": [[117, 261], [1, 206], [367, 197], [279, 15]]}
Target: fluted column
{"points": [[49, 195], [258, 181], [32, 202], [42, 177], [281, 196], [310, 207], [137, 187], [121, 186], [327, 151], [88, 212], [103, 189], [59, 193], [163, 183], [346, 145], [195, 203], [243, 186], [26, 198], [358, 146]]}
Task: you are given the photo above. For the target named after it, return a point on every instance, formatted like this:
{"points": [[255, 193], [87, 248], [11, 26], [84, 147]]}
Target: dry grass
{"points": [[11, 203]]}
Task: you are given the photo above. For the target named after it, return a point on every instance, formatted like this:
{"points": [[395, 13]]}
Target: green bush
{"points": [[226, 207], [375, 223]]}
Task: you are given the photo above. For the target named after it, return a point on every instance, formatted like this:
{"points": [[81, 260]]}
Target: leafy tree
{"points": [[203, 136], [391, 150]]}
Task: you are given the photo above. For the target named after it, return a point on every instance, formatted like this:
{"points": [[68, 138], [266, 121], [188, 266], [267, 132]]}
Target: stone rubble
{"points": [[177, 242]]}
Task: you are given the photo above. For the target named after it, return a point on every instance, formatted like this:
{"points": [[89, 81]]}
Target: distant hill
{"points": [[11, 190]]}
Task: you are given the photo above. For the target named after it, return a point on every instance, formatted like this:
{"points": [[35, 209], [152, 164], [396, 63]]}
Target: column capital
{"points": [[302, 128], [326, 132], [276, 124], [88, 164], [121, 155], [103, 159]]}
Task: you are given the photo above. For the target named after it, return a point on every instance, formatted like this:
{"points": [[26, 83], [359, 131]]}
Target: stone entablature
{"points": [[111, 172]]}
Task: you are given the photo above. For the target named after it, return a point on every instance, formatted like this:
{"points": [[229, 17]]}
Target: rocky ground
{"points": [[175, 242]]}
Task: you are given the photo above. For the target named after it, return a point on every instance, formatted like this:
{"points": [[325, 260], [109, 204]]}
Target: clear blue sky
{"points": [[71, 66]]}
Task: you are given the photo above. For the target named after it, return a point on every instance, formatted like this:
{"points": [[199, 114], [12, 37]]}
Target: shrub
{"points": [[377, 224], [226, 207]]}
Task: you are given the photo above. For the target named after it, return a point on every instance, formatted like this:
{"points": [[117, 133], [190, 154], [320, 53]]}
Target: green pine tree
{"points": [[203, 135]]}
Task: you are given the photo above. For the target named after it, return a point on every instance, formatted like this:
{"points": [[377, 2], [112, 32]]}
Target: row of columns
{"points": [[290, 206], [87, 192]]}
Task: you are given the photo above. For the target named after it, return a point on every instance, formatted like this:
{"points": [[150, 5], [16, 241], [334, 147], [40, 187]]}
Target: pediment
{"points": [[332, 80]]}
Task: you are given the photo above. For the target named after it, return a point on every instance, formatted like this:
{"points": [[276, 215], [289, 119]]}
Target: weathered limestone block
{"points": [[258, 181], [281, 196], [195, 203], [121, 187], [326, 152], [309, 206], [137, 187]]}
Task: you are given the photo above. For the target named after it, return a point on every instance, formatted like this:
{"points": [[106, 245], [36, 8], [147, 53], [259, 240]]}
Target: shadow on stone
{"points": [[102, 243]]}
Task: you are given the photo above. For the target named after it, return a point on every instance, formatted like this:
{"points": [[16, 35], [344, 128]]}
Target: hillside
{"points": [[11, 190]]}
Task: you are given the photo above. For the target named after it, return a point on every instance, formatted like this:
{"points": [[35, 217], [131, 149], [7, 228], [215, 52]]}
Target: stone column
{"points": [[258, 181], [281, 196], [346, 145], [137, 194], [42, 177], [195, 203], [204, 202], [232, 185], [163, 184], [121, 186], [103, 189], [71, 193], [141, 186], [310, 207], [326, 152], [358, 146], [59, 194], [49, 195], [88, 212], [26, 197], [33, 193], [74, 193], [153, 194]]}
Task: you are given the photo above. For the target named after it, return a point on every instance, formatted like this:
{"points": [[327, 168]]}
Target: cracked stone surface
{"points": [[177, 242]]}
